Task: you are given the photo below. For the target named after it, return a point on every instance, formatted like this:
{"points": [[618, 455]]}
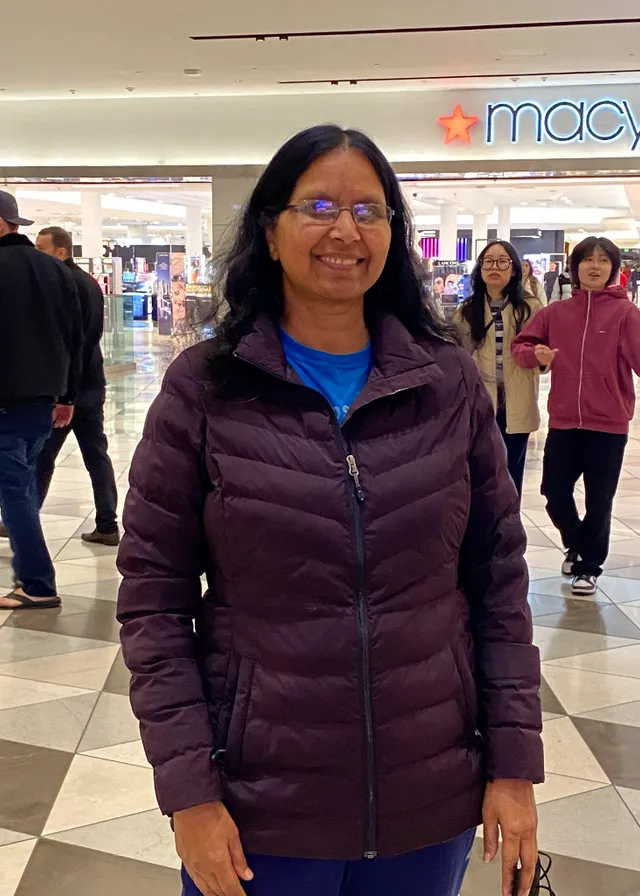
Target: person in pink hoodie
{"points": [[592, 342]]}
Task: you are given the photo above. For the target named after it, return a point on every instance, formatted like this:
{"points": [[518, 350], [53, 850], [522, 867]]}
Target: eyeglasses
{"points": [[503, 264], [325, 211]]}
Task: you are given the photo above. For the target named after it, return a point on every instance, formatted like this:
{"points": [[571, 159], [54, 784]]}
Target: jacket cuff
{"points": [[514, 753], [190, 779]]}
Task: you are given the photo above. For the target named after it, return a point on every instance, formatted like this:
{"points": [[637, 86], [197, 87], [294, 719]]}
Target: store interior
{"points": [[149, 242]]}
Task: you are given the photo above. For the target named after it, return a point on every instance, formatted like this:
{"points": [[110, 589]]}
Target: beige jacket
{"points": [[520, 385]]}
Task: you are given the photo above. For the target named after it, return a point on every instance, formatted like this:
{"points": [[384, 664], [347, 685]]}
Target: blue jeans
{"points": [[434, 871], [516, 445], [23, 431]]}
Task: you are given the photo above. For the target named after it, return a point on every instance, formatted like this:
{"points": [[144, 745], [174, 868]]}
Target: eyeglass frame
{"points": [[295, 206], [488, 264]]}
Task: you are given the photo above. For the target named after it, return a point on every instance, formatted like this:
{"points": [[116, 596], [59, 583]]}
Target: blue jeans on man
{"points": [[24, 429]]}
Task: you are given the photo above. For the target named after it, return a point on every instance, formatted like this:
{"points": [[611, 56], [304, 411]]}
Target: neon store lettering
{"points": [[603, 121]]}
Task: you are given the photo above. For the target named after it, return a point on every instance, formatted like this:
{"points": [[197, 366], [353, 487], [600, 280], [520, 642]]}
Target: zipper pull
{"points": [[354, 472]]}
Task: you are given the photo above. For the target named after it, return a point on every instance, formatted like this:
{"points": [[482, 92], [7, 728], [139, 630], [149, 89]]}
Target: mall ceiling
{"points": [[148, 47]]}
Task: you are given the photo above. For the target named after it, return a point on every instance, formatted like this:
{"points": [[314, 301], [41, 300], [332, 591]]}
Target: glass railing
{"points": [[118, 344]]}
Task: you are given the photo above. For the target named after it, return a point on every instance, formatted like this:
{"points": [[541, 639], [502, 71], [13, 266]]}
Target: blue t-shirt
{"points": [[340, 378]]}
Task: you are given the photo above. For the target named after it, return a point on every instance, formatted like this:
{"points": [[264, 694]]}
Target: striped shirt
{"points": [[498, 323]]}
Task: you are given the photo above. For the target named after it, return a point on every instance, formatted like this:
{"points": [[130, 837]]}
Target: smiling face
{"points": [[335, 262], [594, 271], [497, 267]]}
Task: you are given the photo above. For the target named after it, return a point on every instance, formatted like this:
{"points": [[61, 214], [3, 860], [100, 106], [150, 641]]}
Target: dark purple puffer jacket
{"points": [[362, 660]]}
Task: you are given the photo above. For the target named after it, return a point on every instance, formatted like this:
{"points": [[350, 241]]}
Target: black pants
{"points": [[516, 445], [596, 456], [88, 427]]}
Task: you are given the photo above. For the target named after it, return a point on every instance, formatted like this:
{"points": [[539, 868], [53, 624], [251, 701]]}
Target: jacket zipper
{"points": [[584, 342], [356, 496]]}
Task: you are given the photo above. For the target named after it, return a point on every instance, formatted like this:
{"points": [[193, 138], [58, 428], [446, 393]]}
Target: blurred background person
{"points": [[355, 684], [550, 279], [87, 423], [40, 367], [563, 286], [531, 284], [489, 319]]}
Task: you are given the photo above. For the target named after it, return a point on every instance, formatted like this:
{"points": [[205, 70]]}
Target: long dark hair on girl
{"points": [[249, 281], [473, 307]]}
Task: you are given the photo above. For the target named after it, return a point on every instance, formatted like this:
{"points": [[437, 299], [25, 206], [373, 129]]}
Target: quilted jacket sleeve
{"points": [[162, 558], [494, 576]]}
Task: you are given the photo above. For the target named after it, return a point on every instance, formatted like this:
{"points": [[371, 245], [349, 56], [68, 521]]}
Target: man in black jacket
{"points": [[88, 419], [40, 367]]}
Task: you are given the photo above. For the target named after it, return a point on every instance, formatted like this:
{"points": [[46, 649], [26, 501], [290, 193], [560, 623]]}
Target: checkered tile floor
{"points": [[77, 808]]}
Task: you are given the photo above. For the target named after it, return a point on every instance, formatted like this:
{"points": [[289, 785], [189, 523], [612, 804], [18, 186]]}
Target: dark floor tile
{"points": [[569, 877], [600, 619], [119, 678], [59, 869], [616, 747], [99, 624], [30, 779], [550, 702]]}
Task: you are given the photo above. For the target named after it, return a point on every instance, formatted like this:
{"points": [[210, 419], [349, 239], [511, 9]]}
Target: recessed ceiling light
{"points": [[193, 72]]}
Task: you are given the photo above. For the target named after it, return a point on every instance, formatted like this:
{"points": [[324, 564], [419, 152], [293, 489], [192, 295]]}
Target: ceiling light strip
{"points": [[508, 75], [432, 29]]}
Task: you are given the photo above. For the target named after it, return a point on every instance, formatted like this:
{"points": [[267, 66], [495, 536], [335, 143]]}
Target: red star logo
{"points": [[458, 125]]}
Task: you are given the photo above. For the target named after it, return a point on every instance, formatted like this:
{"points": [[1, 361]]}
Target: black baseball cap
{"points": [[9, 210]]}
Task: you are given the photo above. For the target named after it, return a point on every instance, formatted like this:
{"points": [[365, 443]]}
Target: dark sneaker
{"points": [[583, 585], [567, 564], [109, 539]]}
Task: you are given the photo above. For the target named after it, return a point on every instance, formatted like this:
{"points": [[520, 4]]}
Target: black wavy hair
{"points": [[586, 248], [473, 307], [248, 281]]}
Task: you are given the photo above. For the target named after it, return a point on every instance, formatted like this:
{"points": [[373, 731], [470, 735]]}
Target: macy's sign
{"points": [[564, 121]]}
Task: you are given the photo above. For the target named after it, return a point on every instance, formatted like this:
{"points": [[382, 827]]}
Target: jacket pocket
{"points": [[238, 715], [468, 690]]}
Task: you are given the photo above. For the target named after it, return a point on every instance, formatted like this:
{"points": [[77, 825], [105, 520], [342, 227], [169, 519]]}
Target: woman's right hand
{"points": [[208, 843]]}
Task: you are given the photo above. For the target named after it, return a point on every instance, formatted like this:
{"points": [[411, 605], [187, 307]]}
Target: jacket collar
{"points": [[611, 292], [70, 263], [15, 239], [399, 361]]}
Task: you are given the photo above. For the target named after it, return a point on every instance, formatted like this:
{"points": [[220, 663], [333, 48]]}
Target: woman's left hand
{"points": [[509, 805]]}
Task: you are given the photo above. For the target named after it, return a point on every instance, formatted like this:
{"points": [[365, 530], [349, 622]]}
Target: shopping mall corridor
{"points": [[77, 807]]}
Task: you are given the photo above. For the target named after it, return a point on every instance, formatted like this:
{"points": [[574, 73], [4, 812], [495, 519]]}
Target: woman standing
{"points": [[357, 689], [489, 319], [531, 285], [593, 341]]}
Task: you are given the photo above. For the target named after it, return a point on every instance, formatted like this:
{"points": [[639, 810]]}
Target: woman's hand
{"points": [[208, 843], [510, 805], [545, 356]]}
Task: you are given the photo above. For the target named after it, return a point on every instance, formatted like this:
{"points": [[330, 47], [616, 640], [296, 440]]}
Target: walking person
{"points": [[593, 342], [88, 420], [489, 319], [357, 689], [530, 283], [562, 287], [40, 365]]}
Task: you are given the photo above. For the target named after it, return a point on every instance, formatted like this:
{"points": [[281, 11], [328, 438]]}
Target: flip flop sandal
{"points": [[27, 604]]}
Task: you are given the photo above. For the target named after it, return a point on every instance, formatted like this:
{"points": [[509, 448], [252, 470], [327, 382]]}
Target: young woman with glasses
{"points": [[495, 312], [357, 689]]}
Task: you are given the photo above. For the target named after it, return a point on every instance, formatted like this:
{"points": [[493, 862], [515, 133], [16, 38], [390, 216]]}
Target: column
{"points": [[229, 195], [194, 231], [448, 231], [504, 222], [480, 234], [92, 246]]}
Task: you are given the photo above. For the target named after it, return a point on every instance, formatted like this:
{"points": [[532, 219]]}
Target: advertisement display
{"points": [[163, 279]]}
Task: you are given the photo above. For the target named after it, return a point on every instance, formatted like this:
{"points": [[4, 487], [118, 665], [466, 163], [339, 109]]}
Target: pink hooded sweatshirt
{"points": [[597, 335]]}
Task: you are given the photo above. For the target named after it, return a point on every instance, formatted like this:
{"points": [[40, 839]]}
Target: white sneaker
{"points": [[583, 585], [567, 564]]}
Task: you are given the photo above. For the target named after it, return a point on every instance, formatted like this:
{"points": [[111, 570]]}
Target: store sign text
{"points": [[603, 121]]}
